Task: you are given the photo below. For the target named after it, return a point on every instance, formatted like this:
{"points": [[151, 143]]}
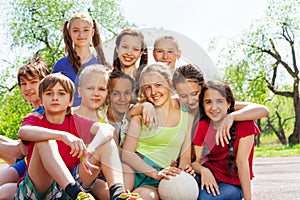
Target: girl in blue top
{"points": [[78, 32]]}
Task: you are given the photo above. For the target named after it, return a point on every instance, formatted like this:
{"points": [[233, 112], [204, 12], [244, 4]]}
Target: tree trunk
{"points": [[294, 138]]}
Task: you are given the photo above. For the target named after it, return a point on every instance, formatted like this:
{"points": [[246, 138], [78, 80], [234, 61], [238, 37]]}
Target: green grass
{"points": [[277, 150]]}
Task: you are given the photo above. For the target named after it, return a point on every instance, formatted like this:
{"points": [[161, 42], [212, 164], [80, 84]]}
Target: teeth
{"points": [[128, 59]]}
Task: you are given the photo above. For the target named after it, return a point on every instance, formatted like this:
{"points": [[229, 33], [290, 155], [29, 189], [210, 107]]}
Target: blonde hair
{"points": [[166, 37], [161, 69], [98, 69]]}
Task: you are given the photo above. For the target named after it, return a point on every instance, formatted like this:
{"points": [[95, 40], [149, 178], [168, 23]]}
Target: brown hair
{"points": [[224, 89], [96, 40], [144, 56], [51, 80], [36, 67], [187, 73]]}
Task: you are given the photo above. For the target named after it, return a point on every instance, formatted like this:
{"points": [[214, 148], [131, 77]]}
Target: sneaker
{"points": [[84, 196], [129, 196]]}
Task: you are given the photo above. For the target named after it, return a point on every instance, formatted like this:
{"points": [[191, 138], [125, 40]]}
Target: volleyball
{"points": [[181, 186]]}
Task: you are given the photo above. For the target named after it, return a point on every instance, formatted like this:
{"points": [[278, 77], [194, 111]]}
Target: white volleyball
{"points": [[179, 187]]}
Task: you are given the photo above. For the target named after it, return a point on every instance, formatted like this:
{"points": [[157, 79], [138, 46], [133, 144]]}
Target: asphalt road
{"points": [[276, 178]]}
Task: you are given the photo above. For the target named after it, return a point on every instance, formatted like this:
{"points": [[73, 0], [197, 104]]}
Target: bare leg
{"points": [[111, 166], [147, 192], [101, 190], [10, 151], [47, 165], [9, 175], [107, 158], [7, 191]]}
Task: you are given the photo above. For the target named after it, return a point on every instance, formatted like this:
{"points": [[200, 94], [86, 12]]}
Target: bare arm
{"points": [[39, 134], [208, 180], [103, 133], [243, 111], [148, 112], [185, 157], [249, 111], [244, 149]]}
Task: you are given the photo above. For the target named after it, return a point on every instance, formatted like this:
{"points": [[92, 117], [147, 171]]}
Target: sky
{"points": [[199, 20]]}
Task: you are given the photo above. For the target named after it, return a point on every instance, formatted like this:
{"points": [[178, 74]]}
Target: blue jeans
{"points": [[227, 191]]}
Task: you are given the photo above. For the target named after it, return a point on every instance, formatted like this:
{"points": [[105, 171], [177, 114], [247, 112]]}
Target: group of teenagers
{"points": [[101, 131]]}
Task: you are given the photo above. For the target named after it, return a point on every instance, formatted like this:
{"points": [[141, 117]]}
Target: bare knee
{"points": [[101, 190], [147, 192], [7, 191]]}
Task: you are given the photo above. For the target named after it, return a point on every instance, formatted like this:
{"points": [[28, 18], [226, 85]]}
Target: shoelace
{"points": [[131, 196], [83, 196]]}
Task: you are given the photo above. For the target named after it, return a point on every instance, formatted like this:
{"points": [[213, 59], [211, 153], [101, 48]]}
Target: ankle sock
{"points": [[72, 190], [116, 190]]}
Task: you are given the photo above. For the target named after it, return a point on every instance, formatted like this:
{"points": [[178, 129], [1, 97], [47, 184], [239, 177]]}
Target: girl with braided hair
{"points": [[228, 171], [78, 33]]}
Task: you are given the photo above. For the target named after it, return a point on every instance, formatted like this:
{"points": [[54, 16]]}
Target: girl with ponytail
{"points": [[227, 172], [78, 33]]}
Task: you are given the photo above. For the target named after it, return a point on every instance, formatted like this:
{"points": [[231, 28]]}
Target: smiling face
{"points": [[129, 50], [156, 89], [215, 105], [120, 95], [30, 89], [166, 51], [81, 32], [93, 90], [188, 92]]}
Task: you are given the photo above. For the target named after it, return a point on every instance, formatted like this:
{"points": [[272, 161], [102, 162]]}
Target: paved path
{"points": [[276, 178]]}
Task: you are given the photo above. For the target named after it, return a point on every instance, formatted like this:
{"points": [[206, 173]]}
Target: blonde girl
{"points": [[150, 152]]}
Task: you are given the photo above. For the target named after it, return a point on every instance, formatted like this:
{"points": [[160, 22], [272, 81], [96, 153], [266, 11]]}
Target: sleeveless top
{"points": [[162, 145]]}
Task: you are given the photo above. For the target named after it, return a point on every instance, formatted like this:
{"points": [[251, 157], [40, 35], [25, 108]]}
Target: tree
{"points": [[269, 47], [35, 27]]}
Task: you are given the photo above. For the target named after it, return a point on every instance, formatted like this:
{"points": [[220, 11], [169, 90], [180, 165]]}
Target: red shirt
{"points": [[73, 124], [205, 134]]}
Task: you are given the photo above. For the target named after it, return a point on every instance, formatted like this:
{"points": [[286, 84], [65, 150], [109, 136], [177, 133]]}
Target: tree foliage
{"points": [[13, 109], [266, 55], [35, 27]]}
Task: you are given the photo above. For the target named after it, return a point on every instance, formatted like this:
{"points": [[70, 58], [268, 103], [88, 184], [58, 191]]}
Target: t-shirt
{"points": [[73, 124], [217, 163], [162, 145], [64, 66]]}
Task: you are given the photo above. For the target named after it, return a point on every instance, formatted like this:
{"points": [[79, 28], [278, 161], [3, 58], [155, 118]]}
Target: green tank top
{"points": [[162, 145]]}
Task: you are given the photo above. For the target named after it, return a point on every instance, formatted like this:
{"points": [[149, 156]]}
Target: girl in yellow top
{"points": [[150, 152]]}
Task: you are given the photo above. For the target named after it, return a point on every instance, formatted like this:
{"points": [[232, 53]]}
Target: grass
{"points": [[277, 150]]}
